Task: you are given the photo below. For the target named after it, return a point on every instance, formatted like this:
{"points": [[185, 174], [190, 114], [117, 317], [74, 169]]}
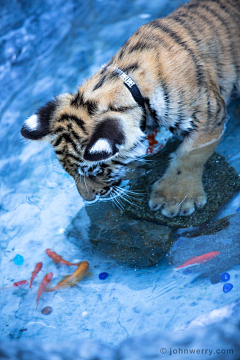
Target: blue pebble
{"points": [[103, 276], [18, 260], [227, 287], [225, 277], [187, 271]]}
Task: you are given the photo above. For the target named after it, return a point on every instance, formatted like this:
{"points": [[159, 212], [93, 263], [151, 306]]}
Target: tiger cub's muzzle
{"points": [[89, 189]]}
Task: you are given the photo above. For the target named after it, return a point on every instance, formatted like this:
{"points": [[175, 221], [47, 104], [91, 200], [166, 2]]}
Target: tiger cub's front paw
{"points": [[177, 198]]}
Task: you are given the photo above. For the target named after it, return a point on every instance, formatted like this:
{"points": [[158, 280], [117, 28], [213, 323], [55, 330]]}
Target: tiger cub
{"points": [[179, 72]]}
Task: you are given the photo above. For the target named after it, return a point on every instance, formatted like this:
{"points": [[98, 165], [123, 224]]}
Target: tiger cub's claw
{"points": [[177, 198]]}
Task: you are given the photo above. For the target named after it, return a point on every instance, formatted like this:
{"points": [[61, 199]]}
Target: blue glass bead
{"points": [[103, 276], [225, 277], [187, 271], [227, 287], [238, 209], [18, 260]]}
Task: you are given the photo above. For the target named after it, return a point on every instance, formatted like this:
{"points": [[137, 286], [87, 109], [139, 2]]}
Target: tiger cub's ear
{"points": [[37, 126], [105, 141]]}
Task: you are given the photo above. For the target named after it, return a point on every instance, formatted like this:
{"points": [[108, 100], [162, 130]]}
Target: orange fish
{"points": [[200, 259], [73, 279], [18, 283], [46, 280], [38, 267], [58, 258]]}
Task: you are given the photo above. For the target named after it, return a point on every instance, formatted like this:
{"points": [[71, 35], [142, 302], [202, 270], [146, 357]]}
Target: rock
{"points": [[47, 310], [134, 242], [218, 175], [227, 241]]}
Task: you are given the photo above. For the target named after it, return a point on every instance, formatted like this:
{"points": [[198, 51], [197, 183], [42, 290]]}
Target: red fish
{"points": [[20, 283], [46, 280], [38, 267], [200, 259], [58, 258]]}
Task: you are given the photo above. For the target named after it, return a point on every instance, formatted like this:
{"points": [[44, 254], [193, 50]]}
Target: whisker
{"points": [[117, 203], [130, 192], [124, 198]]}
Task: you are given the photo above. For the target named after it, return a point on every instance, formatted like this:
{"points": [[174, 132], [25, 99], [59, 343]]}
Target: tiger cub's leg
{"points": [[180, 190]]}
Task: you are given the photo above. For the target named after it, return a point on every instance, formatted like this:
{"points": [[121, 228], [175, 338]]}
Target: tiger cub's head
{"points": [[95, 132]]}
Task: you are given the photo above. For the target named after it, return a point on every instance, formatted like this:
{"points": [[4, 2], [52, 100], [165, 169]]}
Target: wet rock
{"points": [[215, 279], [136, 243], [218, 175], [47, 310], [209, 229], [227, 241]]}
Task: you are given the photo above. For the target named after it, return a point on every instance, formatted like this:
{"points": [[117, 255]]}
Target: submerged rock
{"points": [[47, 310], [218, 175], [134, 242], [226, 241]]}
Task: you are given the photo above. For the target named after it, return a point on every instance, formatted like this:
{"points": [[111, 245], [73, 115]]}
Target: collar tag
{"points": [[124, 77], [134, 90]]}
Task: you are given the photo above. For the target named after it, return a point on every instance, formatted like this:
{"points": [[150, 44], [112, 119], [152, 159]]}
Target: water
{"points": [[47, 48]]}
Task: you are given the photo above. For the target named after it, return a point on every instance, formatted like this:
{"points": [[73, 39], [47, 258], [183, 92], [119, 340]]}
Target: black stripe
{"points": [[228, 10], [152, 112], [73, 145], [75, 135], [78, 100], [58, 141], [130, 67], [74, 157], [122, 50], [225, 24], [74, 118], [91, 106], [183, 44], [140, 45], [212, 28], [185, 26], [66, 154], [209, 108], [59, 129], [100, 82], [68, 140], [121, 108], [166, 97]]}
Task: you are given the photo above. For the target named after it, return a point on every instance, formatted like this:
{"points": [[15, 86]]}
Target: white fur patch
{"points": [[32, 122], [102, 145], [157, 102]]}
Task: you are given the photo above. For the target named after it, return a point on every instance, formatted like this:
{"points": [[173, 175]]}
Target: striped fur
{"points": [[187, 67]]}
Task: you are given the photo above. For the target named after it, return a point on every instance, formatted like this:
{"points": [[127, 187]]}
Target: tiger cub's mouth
{"points": [[89, 192]]}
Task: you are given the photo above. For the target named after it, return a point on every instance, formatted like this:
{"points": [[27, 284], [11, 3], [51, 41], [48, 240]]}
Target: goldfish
{"points": [[18, 283], [46, 280], [200, 259], [38, 267], [72, 280], [58, 258]]}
